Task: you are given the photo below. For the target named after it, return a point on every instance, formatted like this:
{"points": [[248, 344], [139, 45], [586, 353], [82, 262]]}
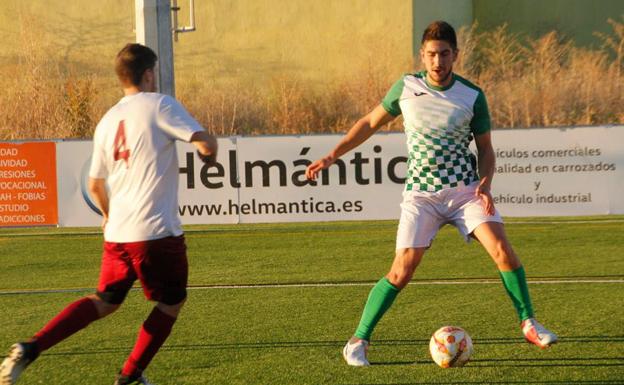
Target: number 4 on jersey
{"points": [[121, 151]]}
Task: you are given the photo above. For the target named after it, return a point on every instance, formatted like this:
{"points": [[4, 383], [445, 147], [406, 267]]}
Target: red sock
{"points": [[73, 318], [152, 335]]}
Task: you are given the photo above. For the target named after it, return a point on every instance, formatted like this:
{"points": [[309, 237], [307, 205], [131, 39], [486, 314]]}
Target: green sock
{"points": [[518, 290], [379, 300]]}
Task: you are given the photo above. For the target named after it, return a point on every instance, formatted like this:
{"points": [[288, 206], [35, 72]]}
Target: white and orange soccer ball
{"points": [[450, 347]]}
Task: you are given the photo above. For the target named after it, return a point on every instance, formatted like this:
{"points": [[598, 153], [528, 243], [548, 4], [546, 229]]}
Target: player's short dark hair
{"points": [[440, 30], [132, 62]]}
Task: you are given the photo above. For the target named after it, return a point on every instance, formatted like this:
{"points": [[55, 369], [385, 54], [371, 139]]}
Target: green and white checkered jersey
{"points": [[439, 125]]}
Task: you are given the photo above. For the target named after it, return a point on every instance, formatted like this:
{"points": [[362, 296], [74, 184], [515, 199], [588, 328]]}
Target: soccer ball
{"points": [[450, 347]]}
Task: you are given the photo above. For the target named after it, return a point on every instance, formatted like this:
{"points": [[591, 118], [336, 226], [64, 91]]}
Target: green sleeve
{"points": [[480, 123], [391, 101]]}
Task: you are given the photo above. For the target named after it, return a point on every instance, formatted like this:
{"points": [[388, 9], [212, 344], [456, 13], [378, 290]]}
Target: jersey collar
{"points": [[125, 98], [436, 88]]}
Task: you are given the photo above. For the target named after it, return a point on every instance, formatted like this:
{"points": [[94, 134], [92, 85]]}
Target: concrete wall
{"points": [[257, 40], [317, 40], [574, 19], [456, 12], [86, 33], [236, 40]]}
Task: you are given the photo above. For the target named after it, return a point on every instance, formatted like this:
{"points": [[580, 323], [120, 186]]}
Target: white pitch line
{"points": [[328, 284], [420, 283], [564, 221], [190, 231]]}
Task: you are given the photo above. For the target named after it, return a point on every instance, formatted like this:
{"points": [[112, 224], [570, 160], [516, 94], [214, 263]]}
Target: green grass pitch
{"points": [[273, 331]]}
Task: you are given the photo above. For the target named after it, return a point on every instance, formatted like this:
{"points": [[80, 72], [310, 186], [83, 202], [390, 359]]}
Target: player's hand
{"points": [[104, 222], [210, 160], [207, 147], [484, 194], [318, 165]]}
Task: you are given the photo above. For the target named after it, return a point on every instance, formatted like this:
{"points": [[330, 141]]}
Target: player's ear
{"points": [[148, 80], [148, 75]]}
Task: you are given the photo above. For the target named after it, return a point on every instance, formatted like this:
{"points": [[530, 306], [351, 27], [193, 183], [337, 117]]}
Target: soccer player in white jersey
{"points": [[134, 152], [445, 182]]}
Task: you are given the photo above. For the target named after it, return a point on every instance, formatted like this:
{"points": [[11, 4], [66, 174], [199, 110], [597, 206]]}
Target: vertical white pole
{"points": [[153, 29]]}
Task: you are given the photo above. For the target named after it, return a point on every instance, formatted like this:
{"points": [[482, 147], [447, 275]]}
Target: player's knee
{"points": [[103, 307], [171, 310], [399, 280], [403, 267], [112, 297], [503, 254], [173, 296], [400, 277]]}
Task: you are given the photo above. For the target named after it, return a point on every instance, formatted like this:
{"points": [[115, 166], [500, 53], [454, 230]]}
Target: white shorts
{"points": [[424, 213]]}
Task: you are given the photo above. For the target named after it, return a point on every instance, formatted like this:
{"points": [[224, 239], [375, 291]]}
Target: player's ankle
{"points": [[31, 349]]}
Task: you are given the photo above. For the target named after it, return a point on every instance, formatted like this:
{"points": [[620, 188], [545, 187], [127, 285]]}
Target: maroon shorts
{"points": [[159, 264]]}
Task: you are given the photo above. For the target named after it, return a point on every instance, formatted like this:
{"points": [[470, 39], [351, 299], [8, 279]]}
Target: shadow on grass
{"points": [[509, 340], [473, 365], [525, 362], [200, 347], [565, 382], [387, 342]]}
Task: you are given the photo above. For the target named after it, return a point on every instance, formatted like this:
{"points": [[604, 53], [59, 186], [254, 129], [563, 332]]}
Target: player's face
{"points": [[438, 56]]}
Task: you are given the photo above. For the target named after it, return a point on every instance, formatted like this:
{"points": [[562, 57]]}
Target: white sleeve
{"points": [[175, 121], [98, 167]]}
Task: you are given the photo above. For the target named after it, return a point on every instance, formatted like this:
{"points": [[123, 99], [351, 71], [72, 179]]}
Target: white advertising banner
{"points": [[540, 172], [200, 187], [205, 192], [364, 184], [76, 208], [574, 171]]}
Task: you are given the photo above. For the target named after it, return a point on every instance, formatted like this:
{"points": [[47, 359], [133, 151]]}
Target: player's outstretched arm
{"points": [[207, 147], [361, 130], [486, 161]]}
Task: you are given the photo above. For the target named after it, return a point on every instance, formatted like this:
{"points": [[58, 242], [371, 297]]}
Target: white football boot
{"points": [[537, 334], [355, 353], [19, 357]]}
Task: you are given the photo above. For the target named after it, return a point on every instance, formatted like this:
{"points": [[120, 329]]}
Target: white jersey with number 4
{"points": [[134, 150]]}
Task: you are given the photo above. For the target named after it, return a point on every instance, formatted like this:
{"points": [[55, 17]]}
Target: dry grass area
{"points": [[546, 81], [528, 82]]}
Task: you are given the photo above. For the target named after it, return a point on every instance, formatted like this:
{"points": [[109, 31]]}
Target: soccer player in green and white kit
{"points": [[445, 182]]}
